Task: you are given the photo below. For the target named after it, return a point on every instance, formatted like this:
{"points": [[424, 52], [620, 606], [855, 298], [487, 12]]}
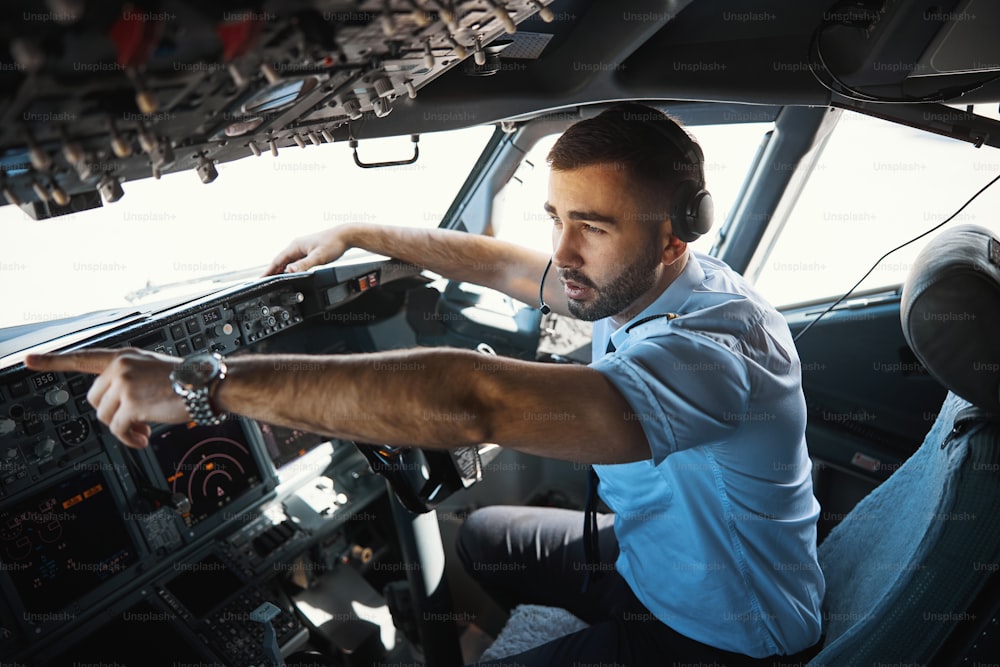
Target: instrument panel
{"points": [[64, 541], [90, 529], [110, 92], [205, 467]]}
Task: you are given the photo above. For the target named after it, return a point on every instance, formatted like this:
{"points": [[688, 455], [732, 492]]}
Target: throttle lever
{"points": [[263, 615]]}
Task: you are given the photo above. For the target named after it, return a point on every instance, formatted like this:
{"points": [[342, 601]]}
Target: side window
{"points": [[517, 210], [876, 186]]}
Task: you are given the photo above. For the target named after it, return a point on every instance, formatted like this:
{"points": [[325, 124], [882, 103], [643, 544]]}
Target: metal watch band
{"points": [[200, 410], [196, 387]]}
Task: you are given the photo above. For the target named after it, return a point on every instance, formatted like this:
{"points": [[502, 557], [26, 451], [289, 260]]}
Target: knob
{"points": [[44, 447], [7, 426], [544, 12], [254, 149], [291, 298], [268, 71], [110, 188], [121, 146], [147, 140], [446, 12], [178, 502], [10, 454], [56, 396], [40, 159], [411, 90], [59, 196], [429, 59], [236, 75], [460, 51], [388, 24], [73, 152], [28, 54], [40, 191], [505, 20], [223, 329], [84, 169], [420, 17], [353, 109], [146, 101], [384, 87], [206, 170]]}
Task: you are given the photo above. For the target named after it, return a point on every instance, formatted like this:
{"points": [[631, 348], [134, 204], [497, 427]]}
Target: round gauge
{"points": [[210, 466], [214, 467], [74, 431]]}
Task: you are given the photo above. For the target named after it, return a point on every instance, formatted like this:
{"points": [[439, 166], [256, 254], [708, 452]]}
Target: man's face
{"points": [[608, 246]]}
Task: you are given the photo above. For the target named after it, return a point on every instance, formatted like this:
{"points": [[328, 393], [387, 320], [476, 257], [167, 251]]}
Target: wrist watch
{"points": [[195, 380]]}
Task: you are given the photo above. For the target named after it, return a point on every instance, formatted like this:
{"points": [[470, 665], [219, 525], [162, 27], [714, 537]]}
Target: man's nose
{"points": [[565, 249]]}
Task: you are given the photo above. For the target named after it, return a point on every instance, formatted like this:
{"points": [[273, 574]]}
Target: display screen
{"points": [[43, 380], [63, 542], [211, 465], [285, 445], [204, 586], [142, 636]]}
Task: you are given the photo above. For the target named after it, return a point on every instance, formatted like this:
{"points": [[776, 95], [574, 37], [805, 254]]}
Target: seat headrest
{"points": [[950, 313]]}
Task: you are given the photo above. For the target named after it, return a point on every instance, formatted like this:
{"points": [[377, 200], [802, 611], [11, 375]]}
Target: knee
{"points": [[479, 538]]}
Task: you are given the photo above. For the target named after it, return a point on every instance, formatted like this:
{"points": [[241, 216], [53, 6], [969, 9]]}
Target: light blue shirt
{"points": [[718, 529]]}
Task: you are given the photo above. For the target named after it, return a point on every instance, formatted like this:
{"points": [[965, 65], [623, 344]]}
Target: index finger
{"points": [[82, 361], [279, 263]]}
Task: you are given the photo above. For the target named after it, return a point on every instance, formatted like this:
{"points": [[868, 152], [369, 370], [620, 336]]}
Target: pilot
{"points": [[691, 412]]}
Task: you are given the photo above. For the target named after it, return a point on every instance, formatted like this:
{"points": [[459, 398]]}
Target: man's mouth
{"points": [[577, 289]]}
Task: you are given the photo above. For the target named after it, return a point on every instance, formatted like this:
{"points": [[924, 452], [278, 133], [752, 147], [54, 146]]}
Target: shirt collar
{"points": [[671, 300]]}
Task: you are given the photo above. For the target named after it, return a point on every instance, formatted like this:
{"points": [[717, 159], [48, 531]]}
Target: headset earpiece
{"points": [[691, 211]]}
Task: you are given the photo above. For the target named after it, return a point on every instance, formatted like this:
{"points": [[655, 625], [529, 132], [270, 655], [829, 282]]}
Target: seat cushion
{"points": [[529, 626]]}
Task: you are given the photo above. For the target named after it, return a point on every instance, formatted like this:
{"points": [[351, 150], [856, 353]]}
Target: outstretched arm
{"points": [[483, 260], [436, 398]]}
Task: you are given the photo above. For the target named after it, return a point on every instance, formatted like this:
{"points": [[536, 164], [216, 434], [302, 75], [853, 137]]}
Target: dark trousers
{"points": [[535, 555]]}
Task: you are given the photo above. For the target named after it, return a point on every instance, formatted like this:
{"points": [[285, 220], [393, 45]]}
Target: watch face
{"points": [[196, 370]]}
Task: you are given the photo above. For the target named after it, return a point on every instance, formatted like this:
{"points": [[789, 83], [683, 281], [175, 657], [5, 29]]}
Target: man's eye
{"points": [[592, 229], [555, 221]]}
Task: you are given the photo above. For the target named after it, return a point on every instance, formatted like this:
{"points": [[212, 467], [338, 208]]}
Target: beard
{"points": [[620, 292]]}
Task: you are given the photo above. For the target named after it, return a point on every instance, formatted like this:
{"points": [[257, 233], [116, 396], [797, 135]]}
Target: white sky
{"points": [[177, 228]]}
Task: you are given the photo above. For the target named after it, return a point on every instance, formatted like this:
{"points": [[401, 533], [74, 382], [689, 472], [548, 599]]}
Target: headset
{"points": [[691, 207]]}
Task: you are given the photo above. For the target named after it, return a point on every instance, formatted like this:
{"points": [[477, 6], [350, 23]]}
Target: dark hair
{"points": [[650, 145]]}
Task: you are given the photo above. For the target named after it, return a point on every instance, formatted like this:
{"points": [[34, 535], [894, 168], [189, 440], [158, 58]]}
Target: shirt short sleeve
{"points": [[685, 390]]}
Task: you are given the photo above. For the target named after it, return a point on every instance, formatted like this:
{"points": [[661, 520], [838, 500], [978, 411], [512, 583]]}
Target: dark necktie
{"points": [[591, 543]]}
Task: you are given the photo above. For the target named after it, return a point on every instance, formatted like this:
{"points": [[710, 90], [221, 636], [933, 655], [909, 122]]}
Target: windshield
{"points": [[179, 230]]}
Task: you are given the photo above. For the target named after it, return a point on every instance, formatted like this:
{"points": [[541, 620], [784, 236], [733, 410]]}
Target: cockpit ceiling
{"points": [[94, 94]]}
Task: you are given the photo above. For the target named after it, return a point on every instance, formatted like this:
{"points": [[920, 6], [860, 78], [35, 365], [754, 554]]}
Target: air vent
{"points": [[526, 45]]}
